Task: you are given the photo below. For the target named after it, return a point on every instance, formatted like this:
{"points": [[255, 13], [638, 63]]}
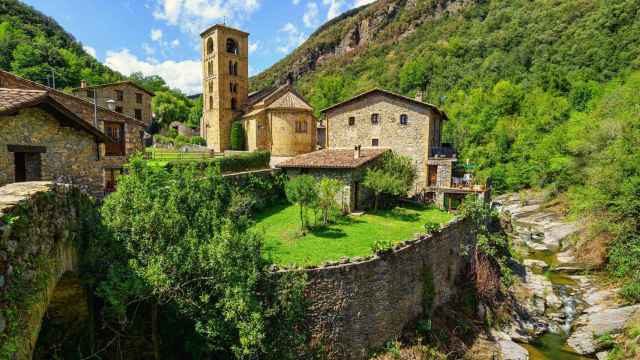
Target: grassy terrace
{"points": [[352, 236]]}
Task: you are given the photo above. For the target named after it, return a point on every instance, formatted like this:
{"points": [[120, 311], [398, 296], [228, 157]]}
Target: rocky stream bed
{"points": [[562, 313]]}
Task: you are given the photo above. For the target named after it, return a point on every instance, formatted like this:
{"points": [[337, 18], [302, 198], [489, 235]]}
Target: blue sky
{"points": [[161, 36]]}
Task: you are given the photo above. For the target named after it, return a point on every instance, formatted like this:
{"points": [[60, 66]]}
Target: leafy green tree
{"points": [[394, 177], [237, 136], [328, 91], [302, 190], [328, 190], [169, 108], [182, 239]]}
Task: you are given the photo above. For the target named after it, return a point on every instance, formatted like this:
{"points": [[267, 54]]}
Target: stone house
{"points": [[40, 139], [125, 132], [347, 165], [275, 119], [409, 127], [125, 97]]}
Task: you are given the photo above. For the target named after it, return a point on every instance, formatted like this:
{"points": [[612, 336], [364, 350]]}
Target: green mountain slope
{"points": [[33, 45], [539, 93]]}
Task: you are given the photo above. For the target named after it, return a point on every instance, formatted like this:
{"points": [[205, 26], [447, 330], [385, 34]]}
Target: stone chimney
{"points": [[356, 152], [419, 95], [83, 84]]}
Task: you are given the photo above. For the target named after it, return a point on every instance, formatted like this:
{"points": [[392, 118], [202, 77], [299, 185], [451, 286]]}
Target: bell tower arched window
{"points": [[210, 68], [232, 47], [209, 46], [234, 104]]}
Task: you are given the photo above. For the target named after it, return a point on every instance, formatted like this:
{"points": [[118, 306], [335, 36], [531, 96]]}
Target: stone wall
{"points": [[410, 140], [356, 307], [70, 153], [39, 229]]}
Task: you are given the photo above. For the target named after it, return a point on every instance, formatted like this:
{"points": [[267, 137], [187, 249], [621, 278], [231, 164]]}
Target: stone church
{"points": [[276, 119]]}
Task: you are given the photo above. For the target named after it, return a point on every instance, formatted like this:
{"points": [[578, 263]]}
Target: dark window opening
{"points": [[116, 132], [210, 68], [210, 102], [232, 47], [230, 67], [138, 114], [119, 109], [209, 46], [352, 121], [301, 126], [375, 142], [111, 179], [235, 69], [375, 119], [119, 95], [234, 104], [404, 119], [28, 166], [90, 94], [138, 98]]}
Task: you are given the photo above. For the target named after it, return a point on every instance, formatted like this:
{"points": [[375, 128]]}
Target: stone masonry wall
{"points": [[39, 224], [70, 152], [356, 307]]}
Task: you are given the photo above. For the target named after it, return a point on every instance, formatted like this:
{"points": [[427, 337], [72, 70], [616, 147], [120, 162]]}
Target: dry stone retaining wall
{"points": [[356, 307]]}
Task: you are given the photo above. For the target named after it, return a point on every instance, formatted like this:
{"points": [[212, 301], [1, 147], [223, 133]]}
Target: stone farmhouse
{"points": [[275, 119], [409, 127], [125, 135], [125, 97], [42, 140]]}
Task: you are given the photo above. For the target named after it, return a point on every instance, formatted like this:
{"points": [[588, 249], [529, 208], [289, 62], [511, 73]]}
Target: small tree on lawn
{"points": [[302, 190], [394, 177], [328, 189], [237, 136]]}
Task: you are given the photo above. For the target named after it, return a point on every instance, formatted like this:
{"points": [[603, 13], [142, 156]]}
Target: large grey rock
{"points": [[535, 264], [509, 350], [593, 325], [603, 355]]}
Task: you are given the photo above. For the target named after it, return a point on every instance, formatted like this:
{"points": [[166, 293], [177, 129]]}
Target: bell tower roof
{"points": [[223, 27]]}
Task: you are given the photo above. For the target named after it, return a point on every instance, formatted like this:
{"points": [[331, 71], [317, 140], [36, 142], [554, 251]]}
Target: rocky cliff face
{"points": [[383, 21]]}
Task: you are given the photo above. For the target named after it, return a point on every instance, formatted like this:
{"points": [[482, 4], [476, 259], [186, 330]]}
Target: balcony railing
{"points": [[442, 152]]}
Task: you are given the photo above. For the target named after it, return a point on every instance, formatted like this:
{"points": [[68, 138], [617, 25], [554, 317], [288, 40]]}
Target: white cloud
{"points": [[156, 35], [184, 75], [362, 2], [336, 7], [175, 43], [90, 50], [295, 2], [193, 16], [148, 50], [293, 38], [310, 17], [254, 46]]}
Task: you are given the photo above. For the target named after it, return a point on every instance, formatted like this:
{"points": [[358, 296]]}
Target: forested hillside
{"points": [[36, 47], [540, 95]]}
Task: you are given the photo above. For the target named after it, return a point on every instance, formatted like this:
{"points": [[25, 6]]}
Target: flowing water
{"points": [[551, 346]]}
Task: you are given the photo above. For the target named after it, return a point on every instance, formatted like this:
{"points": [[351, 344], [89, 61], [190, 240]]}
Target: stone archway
{"points": [[65, 330]]}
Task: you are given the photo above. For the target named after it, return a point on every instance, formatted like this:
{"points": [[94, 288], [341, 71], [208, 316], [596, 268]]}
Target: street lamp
{"points": [[111, 104]]}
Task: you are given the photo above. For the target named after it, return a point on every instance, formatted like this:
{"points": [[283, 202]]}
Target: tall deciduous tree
{"points": [[394, 177], [302, 190]]}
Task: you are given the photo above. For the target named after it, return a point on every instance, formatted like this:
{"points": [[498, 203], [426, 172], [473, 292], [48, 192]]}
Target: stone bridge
{"points": [[40, 227]]}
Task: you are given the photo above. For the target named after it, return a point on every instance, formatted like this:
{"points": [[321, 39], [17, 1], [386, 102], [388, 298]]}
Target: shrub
{"points": [[172, 133], [160, 139], [233, 163], [431, 227], [381, 246], [328, 190], [198, 140], [394, 177], [237, 136], [180, 140]]}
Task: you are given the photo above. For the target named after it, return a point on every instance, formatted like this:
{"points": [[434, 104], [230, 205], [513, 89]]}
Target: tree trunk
{"points": [[301, 220], [154, 331]]}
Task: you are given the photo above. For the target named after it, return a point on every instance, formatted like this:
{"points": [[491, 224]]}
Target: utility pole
{"points": [[95, 109], [53, 75]]}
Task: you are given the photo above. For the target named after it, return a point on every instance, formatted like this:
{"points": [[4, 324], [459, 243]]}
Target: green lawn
{"points": [[352, 236]]}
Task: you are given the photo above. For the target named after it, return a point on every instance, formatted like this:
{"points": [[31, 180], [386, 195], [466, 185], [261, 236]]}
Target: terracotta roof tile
{"points": [[14, 99], [333, 159]]}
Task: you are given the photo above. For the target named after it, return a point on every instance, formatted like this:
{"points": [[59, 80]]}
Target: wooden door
{"points": [[433, 175], [20, 167]]}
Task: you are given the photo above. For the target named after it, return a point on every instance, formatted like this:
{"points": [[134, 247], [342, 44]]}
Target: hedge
{"points": [[254, 160]]}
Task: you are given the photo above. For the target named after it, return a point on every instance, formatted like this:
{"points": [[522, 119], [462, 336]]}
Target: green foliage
{"points": [[431, 227], [328, 190], [183, 240], [237, 136], [198, 140], [254, 160], [382, 245], [394, 177], [302, 190], [170, 106]]}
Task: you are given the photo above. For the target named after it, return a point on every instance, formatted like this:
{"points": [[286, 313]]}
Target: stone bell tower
{"points": [[225, 82]]}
